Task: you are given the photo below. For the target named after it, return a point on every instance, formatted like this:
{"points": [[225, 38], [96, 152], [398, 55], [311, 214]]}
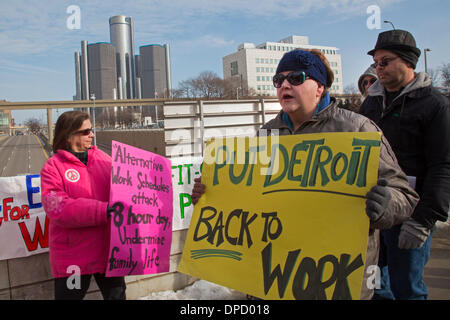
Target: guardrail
{"points": [[45, 143]]}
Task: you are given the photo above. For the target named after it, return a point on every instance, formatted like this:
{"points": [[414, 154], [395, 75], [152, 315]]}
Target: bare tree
{"points": [[231, 88], [235, 88], [178, 93], [33, 125], [106, 118], [351, 89], [125, 117], [445, 74], [207, 85], [435, 76], [186, 89]]}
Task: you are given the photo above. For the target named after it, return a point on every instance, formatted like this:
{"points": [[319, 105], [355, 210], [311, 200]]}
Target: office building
{"points": [[113, 71], [254, 66], [154, 71], [122, 38], [102, 70], [6, 122]]}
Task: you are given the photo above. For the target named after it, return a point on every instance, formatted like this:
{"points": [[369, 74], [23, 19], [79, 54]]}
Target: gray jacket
{"points": [[404, 198], [370, 71]]}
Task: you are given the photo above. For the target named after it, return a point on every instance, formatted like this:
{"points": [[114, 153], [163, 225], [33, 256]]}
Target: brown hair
{"points": [[67, 123], [330, 74]]}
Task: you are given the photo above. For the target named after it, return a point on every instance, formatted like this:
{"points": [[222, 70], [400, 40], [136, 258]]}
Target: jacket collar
{"points": [[71, 157], [421, 81], [284, 120]]}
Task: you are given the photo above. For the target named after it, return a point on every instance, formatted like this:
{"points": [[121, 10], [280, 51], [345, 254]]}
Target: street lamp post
{"points": [[387, 21], [93, 120], [425, 55]]}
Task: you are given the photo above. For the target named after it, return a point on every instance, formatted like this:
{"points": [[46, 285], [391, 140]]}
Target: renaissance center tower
{"points": [[122, 38]]}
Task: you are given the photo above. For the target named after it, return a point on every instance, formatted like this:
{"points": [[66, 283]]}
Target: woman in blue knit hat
{"points": [[302, 80]]}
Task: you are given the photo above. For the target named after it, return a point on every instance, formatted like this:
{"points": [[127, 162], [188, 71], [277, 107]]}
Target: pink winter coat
{"points": [[75, 198]]}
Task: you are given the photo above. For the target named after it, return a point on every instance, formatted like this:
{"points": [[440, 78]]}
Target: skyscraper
{"points": [[122, 38], [102, 70], [112, 71], [154, 71]]}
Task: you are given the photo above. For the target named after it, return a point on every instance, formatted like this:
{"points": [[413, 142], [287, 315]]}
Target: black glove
{"points": [[377, 200]]}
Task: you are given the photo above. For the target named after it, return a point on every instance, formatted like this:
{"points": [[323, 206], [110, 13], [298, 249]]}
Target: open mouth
{"points": [[287, 96]]}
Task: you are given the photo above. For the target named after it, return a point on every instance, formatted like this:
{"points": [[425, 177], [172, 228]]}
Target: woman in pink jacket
{"points": [[75, 185]]}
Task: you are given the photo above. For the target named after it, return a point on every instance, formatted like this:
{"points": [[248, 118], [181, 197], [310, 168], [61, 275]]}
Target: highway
{"points": [[20, 155]]}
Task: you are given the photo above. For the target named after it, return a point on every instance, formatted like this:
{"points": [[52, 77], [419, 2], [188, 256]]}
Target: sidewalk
{"points": [[437, 270]]}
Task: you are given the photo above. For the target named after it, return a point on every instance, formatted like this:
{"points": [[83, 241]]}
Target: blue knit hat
{"points": [[300, 60]]}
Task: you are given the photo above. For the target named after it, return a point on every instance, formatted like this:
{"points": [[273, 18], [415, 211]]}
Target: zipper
{"points": [[389, 108]]}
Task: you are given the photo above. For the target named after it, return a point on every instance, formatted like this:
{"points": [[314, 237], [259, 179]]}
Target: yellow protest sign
{"points": [[286, 218]]}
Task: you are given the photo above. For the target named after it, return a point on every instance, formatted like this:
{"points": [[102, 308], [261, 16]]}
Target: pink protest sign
{"points": [[141, 222]]}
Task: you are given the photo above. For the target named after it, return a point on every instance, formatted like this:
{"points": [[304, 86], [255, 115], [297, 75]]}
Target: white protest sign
{"points": [[23, 222], [184, 170]]}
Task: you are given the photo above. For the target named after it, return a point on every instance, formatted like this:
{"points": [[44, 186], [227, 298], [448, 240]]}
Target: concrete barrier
{"points": [[30, 278], [147, 139]]}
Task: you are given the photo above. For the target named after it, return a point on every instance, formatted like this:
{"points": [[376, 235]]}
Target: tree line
{"points": [[208, 85]]}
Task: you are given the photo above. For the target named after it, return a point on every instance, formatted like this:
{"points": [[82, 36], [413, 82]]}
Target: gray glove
{"points": [[412, 235], [377, 200]]}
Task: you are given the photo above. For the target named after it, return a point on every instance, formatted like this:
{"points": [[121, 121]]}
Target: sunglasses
{"points": [[384, 62], [366, 82], [84, 132], [295, 78]]}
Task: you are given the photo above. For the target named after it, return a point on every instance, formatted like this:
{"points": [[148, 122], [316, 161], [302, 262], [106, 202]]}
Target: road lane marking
{"points": [[43, 150]]}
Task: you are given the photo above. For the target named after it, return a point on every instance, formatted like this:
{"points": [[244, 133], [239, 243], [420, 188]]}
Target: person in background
{"points": [[367, 79], [415, 118], [302, 79], [75, 184]]}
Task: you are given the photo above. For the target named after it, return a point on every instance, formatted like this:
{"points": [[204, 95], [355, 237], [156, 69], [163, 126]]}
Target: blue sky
{"points": [[37, 48]]}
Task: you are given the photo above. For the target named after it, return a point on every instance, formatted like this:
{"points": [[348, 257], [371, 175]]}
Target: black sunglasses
{"points": [[84, 132], [295, 78], [384, 62], [371, 81]]}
